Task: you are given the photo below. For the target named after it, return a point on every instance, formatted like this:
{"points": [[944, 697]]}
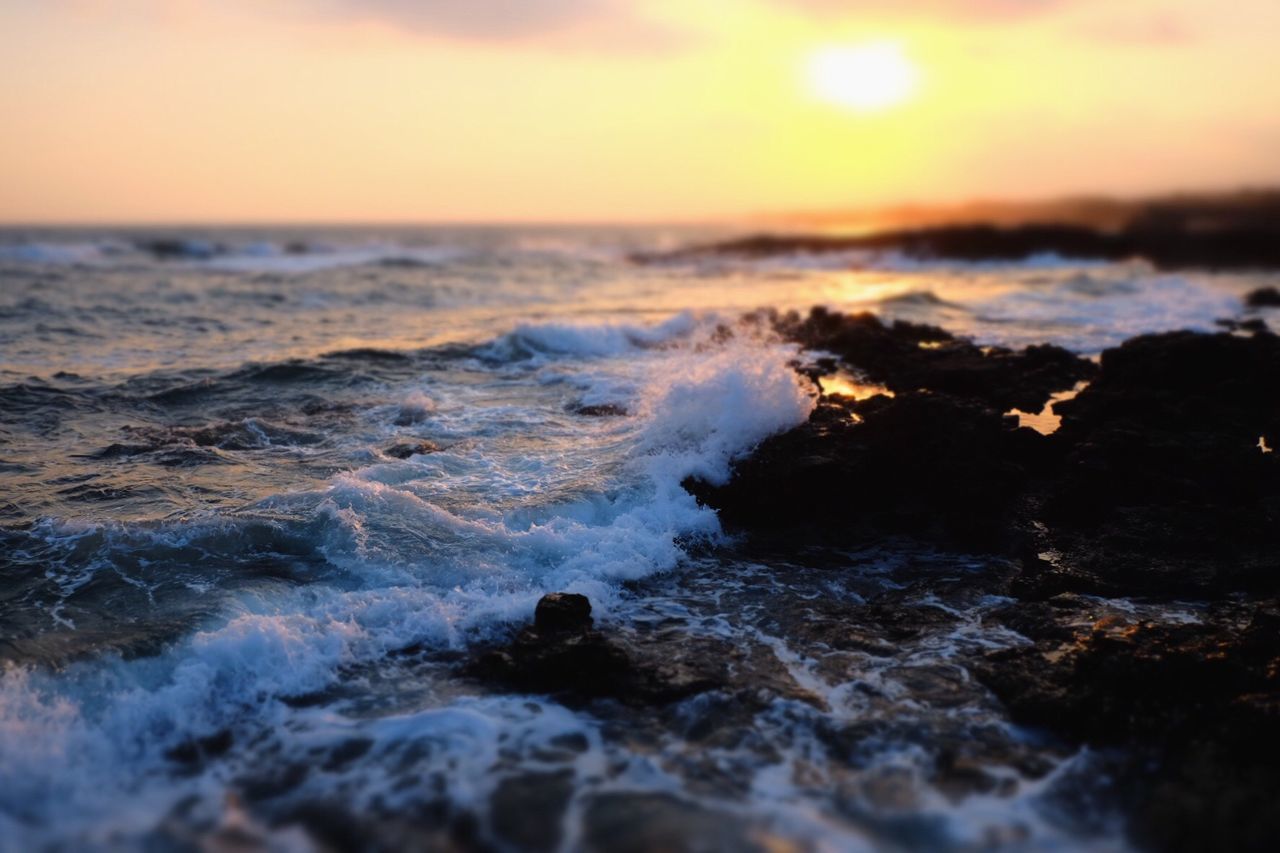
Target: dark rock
{"points": [[600, 410], [561, 655], [1163, 489], [405, 449], [586, 665], [640, 822], [1156, 486], [1171, 245], [176, 248], [909, 357], [562, 611], [1195, 704], [528, 810], [918, 464], [1254, 325], [1263, 297]]}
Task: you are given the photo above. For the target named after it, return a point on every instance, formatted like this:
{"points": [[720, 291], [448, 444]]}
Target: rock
{"points": [[919, 464], [405, 449], [1163, 488], [909, 357], [638, 822], [1245, 243], [1263, 297], [584, 664], [600, 410], [1195, 705], [562, 655], [558, 612], [528, 810], [1156, 487]]}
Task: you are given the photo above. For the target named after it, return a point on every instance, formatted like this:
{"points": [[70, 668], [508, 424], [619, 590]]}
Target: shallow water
{"points": [[262, 490]]}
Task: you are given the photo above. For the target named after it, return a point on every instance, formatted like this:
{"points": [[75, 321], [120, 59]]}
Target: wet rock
{"points": [[1157, 485], [585, 664], [1163, 488], [908, 357], [1196, 705], [528, 810], [600, 410], [558, 612], [561, 654], [1263, 297], [405, 449], [919, 464], [639, 822]]}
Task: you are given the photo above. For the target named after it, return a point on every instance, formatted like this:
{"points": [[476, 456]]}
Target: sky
{"points": [[620, 110]]}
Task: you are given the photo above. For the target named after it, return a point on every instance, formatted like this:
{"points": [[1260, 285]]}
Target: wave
{"points": [[1089, 314], [589, 340], [431, 552], [252, 256]]}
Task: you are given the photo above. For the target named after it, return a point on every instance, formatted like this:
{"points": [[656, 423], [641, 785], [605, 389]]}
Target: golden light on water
{"points": [[864, 78]]}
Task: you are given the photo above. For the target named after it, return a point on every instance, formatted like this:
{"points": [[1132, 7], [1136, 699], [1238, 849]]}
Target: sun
{"points": [[865, 78]]}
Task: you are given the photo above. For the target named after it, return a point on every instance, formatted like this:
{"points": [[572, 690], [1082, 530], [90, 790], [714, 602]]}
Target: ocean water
{"points": [[261, 491]]}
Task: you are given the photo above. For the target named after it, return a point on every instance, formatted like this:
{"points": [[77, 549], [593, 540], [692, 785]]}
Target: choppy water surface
{"points": [[262, 490]]}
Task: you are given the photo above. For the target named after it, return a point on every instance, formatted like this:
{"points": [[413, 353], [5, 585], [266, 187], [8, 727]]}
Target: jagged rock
{"points": [[1164, 488], [918, 464], [909, 356]]}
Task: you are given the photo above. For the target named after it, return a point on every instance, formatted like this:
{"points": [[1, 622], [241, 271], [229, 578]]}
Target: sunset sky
{"points": [[620, 110]]}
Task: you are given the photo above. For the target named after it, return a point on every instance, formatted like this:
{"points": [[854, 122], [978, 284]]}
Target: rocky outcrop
{"points": [[1159, 486], [1245, 245]]}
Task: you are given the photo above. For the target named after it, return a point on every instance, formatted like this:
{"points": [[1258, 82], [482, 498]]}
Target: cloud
{"points": [[948, 9], [1155, 29], [573, 25], [481, 19]]}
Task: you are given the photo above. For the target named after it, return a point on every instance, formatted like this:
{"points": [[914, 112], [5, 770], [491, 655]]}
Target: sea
{"points": [[265, 491]]}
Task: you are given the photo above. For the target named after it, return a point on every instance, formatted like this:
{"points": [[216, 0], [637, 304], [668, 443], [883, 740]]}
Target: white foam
{"points": [[425, 558], [593, 339], [1089, 314]]}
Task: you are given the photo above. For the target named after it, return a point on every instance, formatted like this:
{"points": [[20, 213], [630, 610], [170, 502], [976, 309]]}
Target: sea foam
{"points": [[408, 567]]}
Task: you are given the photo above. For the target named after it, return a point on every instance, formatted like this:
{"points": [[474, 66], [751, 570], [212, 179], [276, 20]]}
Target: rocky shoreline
{"points": [[1250, 245], [1158, 488]]}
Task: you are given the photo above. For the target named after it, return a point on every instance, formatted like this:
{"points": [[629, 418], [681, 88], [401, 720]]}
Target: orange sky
{"points": [[619, 110]]}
